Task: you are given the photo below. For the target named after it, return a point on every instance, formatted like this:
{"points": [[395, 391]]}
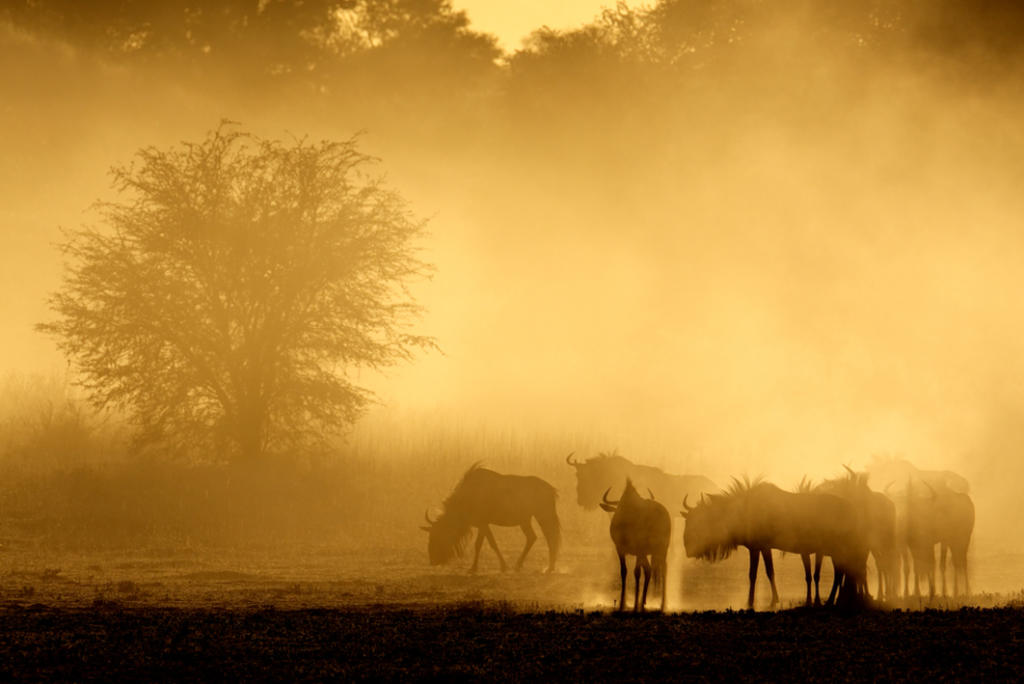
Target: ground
{"points": [[327, 613], [114, 642]]}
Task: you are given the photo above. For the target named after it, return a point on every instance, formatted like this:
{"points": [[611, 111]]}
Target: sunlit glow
{"points": [[773, 273]]}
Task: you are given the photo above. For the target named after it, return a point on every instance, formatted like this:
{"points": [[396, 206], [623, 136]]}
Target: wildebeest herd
{"points": [[898, 523]]}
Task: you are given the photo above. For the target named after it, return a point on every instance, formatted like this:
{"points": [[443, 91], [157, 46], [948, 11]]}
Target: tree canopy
{"points": [[234, 286], [286, 40]]}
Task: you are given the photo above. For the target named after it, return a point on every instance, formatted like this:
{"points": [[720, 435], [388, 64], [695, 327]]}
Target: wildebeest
{"points": [[886, 472], [938, 515], [595, 475], [929, 504], [484, 498], [640, 527], [877, 516], [761, 517]]}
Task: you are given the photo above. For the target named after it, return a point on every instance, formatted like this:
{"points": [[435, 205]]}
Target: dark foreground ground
{"points": [[485, 641], [325, 613]]}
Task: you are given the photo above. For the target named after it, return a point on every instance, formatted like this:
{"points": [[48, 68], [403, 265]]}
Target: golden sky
{"points": [[512, 20], [778, 264]]}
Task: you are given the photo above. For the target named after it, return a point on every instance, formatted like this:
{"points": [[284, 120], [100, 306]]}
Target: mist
{"points": [[792, 245]]}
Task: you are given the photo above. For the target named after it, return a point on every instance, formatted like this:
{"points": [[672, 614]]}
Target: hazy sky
{"points": [[512, 20], [775, 274]]}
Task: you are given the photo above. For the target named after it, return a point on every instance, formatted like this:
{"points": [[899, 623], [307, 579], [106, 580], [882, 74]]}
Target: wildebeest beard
{"points": [[448, 537], [717, 551], [708, 534]]}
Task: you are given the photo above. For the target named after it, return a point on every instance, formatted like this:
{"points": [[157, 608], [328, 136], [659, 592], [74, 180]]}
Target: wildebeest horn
{"points": [[605, 498], [651, 493], [686, 507], [426, 514], [568, 459]]}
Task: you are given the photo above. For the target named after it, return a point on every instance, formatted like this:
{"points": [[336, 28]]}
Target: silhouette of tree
{"points": [[279, 38], [409, 50], [238, 281], [152, 25]]}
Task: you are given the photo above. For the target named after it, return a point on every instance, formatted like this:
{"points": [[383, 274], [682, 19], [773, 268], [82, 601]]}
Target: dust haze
{"points": [[751, 242]]}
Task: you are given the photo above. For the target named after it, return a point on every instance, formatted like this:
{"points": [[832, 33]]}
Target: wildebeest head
{"points": [[595, 475], [707, 532], [447, 540]]}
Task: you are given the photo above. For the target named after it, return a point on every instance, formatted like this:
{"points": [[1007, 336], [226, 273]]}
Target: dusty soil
{"points": [[318, 613], [115, 642]]}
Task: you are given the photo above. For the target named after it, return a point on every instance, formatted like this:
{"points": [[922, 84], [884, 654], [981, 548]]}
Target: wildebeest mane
{"points": [[451, 531], [719, 552], [716, 505], [740, 487], [453, 498]]}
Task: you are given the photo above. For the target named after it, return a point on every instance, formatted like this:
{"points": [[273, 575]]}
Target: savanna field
{"points": [[294, 293], [164, 571]]}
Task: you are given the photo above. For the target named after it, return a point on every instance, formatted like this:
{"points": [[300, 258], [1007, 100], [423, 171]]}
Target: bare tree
{"points": [[234, 287]]}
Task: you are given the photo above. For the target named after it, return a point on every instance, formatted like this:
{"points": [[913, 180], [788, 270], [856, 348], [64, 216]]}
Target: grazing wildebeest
{"points": [[640, 527], [761, 517], [595, 475], [484, 498], [938, 515], [877, 517]]}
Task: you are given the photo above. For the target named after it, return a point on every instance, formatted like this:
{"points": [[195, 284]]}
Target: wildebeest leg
{"points": [[661, 572], [531, 537], [636, 583], [960, 562], [837, 580], [889, 562], [962, 554], [930, 567], [494, 545], [905, 562], [769, 568], [818, 560], [881, 575], [892, 564], [805, 558], [480, 535], [548, 521], [955, 559], [943, 549], [647, 581], [917, 575], [622, 576], [755, 558]]}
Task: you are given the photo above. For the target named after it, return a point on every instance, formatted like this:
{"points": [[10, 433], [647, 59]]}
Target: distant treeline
{"points": [[647, 93], [320, 40], [393, 55], [68, 479]]}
